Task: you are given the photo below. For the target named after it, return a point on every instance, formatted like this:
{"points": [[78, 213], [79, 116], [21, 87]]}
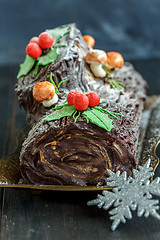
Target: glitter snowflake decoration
{"points": [[130, 194]]}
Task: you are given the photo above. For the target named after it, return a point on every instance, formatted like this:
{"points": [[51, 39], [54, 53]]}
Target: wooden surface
{"points": [[50, 215]]}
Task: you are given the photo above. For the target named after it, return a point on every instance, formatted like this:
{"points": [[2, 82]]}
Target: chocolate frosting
{"points": [[69, 153], [70, 65]]}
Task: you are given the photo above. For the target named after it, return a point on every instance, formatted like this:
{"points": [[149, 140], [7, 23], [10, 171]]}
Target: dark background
{"points": [[128, 26], [131, 27]]}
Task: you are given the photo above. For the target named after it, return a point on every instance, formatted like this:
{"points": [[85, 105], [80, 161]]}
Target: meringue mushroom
{"points": [[44, 92], [89, 40], [96, 58], [114, 61]]}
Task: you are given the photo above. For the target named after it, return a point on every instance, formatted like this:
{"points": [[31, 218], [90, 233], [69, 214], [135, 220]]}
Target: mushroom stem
{"points": [[49, 103], [109, 68], [98, 70]]}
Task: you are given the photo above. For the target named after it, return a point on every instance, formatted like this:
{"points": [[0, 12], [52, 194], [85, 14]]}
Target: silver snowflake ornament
{"points": [[130, 194]]}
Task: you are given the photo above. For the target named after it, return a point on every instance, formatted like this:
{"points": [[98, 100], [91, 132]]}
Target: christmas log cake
{"points": [[87, 106]]}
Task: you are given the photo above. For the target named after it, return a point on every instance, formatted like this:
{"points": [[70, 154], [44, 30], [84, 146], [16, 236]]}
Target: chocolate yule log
{"points": [[75, 143]]}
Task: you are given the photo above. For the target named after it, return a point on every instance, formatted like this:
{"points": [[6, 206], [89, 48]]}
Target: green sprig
{"points": [[86, 118], [51, 80], [61, 83], [79, 114], [114, 83], [110, 113], [74, 115], [56, 87]]}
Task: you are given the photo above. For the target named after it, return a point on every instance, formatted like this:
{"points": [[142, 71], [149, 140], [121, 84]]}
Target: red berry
{"points": [[45, 40], [71, 96], [94, 99], [33, 50], [81, 102], [34, 40]]}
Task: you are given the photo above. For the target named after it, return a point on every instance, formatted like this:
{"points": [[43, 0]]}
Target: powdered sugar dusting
{"points": [[152, 132]]}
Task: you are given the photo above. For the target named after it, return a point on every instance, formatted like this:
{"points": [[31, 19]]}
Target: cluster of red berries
{"points": [[82, 101], [36, 44]]}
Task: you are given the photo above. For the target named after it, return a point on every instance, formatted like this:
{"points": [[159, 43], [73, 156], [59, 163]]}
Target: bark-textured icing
{"points": [[71, 66], [64, 152]]}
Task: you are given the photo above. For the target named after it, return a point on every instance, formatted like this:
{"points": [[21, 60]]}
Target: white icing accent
{"points": [[97, 70], [49, 103]]}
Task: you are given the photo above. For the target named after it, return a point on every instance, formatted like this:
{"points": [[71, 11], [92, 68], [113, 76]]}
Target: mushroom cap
{"points": [[89, 40], [96, 56], [115, 59], [43, 91]]}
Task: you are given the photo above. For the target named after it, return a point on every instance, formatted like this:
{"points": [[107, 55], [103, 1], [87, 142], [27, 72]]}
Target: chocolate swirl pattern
{"points": [[73, 154]]}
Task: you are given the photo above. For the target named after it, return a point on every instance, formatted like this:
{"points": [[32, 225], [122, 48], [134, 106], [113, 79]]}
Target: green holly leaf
{"points": [[58, 33], [35, 72], [48, 58], [26, 66], [99, 118], [65, 111]]}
